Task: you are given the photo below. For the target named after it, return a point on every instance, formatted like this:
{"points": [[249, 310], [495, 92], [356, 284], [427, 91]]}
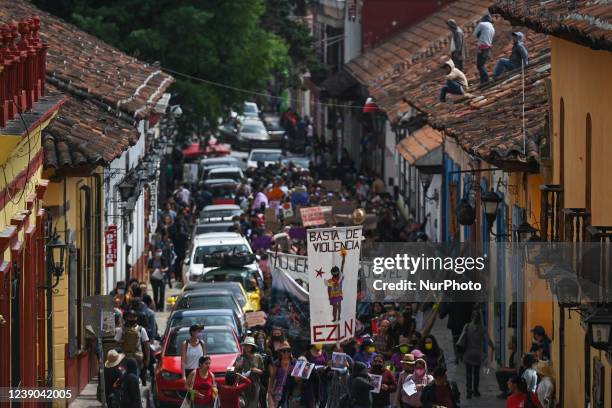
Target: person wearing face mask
{"points": [[367, 352], [398, 355], [400, 398], [252, 363], [276, 340], [434, 356], [316, 355], [133, 339], [191, 350], [421, 379], [388, 385]]}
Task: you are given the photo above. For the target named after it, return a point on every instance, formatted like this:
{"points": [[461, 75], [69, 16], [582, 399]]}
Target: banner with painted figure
{"points": [[333, 259]]}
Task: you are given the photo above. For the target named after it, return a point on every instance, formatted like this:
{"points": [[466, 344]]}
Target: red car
{"points": [[222, 345]]}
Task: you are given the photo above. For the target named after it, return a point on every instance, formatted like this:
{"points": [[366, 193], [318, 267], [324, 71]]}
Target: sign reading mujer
{"points": [[333, 264]]}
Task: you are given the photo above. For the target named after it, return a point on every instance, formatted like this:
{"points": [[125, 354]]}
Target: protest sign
{"points": [[271, 223], [338, 361], [333, 257], [287, 210], [312, 216], [254, 319], [376, 383], [308, 368], [332, 185], [343, 207], [298, 368], [409, 388], [295, 266]]}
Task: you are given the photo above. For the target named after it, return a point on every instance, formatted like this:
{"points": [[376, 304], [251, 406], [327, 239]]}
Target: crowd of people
{"points": [[394, 341]]}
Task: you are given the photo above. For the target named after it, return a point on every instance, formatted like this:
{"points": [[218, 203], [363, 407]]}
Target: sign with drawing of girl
{"points": [[333, 259]]}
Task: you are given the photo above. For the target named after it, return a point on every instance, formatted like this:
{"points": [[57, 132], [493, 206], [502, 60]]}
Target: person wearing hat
{"points": [[367, 351], [112, 372], [251, 363], [419, 376], [540, 339], [519, 57], [279, 371], [191, 350], [398, 355]]}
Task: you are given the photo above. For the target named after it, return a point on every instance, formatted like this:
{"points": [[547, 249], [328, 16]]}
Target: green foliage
{"points": [[218, 40]]}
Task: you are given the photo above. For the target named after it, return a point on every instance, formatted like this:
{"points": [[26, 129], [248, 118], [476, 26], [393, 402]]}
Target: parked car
{"points": [[214, 162], [207, 247], [210, 299], [208, 317], [223, 191], [222, 344], [267, 156], [276, 131], [237, 288], [229, 172], [299, 161], [219, 213], [208, 227], [250, 109], [244, 276], [252, 133]]}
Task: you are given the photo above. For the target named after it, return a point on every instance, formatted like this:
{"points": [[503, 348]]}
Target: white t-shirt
{"points": [[143, 337]]}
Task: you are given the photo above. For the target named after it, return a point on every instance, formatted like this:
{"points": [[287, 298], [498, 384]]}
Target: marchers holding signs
{"points": [[333, 259]]}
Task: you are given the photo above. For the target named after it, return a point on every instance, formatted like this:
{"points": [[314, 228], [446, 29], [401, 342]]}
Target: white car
{"points": [[268, 156], [230, 172], [219, 212], [250, 109], [214, 243]]}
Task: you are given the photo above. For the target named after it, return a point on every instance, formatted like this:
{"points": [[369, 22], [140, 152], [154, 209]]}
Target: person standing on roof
{"points": [[519, 56], [484, 32], [456, 82], [457, 49]]}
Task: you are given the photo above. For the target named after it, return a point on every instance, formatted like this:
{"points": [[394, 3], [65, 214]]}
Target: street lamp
{"points": [[56, 249], [525, 232], [567, 290], [600, 329], [490, 202], [125, 189]]}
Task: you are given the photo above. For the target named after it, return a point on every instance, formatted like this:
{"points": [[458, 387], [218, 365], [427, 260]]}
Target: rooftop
{"points": [[488, 125], [585, 22]]}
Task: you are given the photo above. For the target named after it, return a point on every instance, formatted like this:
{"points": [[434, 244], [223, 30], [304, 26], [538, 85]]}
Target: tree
{"points": [[216, 40]]}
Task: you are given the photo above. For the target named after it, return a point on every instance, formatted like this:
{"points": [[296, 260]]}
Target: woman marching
{"points": [[202, 386]]}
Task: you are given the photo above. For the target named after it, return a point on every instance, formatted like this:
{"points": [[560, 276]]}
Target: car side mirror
{"points": [[187, 261], [244, 159]]}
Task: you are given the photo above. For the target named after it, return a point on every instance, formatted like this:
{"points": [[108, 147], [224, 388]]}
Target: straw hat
{"points": [[284, 346], [408, 359], [249, 341], [113, 358], [543, 368]]}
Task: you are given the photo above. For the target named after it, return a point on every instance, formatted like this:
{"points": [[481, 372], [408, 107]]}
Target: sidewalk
{"points": [[488, 384]]}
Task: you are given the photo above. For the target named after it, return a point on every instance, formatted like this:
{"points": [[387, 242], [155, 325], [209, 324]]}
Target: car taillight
{"points": [[169, 376]]}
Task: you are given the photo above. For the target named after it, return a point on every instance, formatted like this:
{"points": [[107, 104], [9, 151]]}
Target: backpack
{"points": [[131, 341]]}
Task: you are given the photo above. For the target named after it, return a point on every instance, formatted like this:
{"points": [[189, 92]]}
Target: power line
{"points": [[267, 95]]}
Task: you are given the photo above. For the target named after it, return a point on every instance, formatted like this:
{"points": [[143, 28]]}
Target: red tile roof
{"points": [[586, 22], [418, 41], [419, 144], [88, 64], [108, 91], [490, 124]]}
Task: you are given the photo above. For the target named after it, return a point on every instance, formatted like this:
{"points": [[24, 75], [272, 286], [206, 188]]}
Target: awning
{"points": [[419, 144], [337, 84], [193, 150]]}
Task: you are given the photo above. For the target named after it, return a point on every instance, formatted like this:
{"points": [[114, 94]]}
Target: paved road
{"points": [[488, 384]]}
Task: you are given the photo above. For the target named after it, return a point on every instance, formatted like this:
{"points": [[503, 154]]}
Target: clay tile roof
{"points": [[586, 22], [77, 60], [419, 144], [83, 134], [490, 124], [398, 53]]}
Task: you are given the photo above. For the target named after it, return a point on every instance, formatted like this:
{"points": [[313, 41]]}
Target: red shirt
{"points": [[203, 386], [516, 400], [229, 395]]}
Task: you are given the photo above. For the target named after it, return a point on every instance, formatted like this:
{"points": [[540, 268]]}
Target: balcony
{"points": [[22, 68], [551, 215], [575, 221]]}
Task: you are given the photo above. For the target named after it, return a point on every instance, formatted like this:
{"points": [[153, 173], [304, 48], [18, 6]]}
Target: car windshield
{"points": [[205, 228], [253, 128], [236, 291], [273, 124], [222, 191], [298, 161], [208, 320], [265, 156], [220, 214], [217, 342], [207, 301], [234, 175], [204, 254], [248, 108]]}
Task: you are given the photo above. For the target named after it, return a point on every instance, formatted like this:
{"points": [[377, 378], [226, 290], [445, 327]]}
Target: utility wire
{"points": [[267, 95]]}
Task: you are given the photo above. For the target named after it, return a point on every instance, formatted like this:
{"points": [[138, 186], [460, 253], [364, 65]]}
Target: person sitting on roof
{"points": [[518, 57], [456, 82]]}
